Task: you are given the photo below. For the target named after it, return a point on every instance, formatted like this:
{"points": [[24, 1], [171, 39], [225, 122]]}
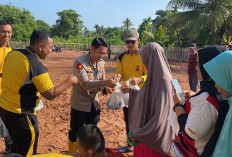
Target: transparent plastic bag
{"points": [[118, 100], [115, 101], [40, 106], [126, 95]]}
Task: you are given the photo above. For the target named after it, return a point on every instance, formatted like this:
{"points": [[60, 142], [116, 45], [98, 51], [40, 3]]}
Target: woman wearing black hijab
{"points": [[201, 117]]}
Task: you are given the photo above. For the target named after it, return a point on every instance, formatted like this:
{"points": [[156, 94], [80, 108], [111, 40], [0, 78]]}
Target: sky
{"points": [[107, 13]]}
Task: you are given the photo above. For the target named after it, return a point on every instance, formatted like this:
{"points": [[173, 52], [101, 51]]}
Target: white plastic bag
{"points": [[126, 96], [118, 100], [40, 106], [115, 101]]}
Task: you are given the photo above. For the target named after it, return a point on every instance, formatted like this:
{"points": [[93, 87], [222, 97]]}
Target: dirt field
{"points": [[54, 117]]}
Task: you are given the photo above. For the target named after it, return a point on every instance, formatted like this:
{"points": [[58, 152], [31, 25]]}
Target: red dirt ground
{"points": [[54, 117]]}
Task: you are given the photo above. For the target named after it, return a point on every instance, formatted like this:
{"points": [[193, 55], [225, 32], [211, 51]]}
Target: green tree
{"points": [[160, 35], [146, 31], [201, 14], [114, 35], [127, 24], [68, 24], [40, 24], [163, 22], [22, 21], [87, 33], [99, 30]]}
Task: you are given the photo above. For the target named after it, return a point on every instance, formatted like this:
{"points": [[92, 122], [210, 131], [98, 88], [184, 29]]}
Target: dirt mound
{"points": [[55, 116]]}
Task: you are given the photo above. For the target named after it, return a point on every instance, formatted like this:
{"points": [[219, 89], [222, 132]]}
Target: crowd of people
{"points": [[153, 114]]}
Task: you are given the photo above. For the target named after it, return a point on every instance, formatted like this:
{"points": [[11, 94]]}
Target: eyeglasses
{"points": [[130, 41]]}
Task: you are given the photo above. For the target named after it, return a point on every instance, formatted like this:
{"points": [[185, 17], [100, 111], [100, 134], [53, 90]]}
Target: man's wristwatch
{"points": [[104, 91], [176, 105]]}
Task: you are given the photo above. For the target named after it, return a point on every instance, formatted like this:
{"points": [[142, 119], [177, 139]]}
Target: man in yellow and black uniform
{"points": [[130, 66], [29, 79], [24, 79], [32, 79], [3, 52], [5, 36]]}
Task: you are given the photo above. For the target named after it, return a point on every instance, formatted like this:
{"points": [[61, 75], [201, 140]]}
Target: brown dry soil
{"points": [[54, 117]]}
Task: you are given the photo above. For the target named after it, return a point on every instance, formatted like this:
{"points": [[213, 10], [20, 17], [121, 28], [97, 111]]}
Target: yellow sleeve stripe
{"points": [[42, 82]]}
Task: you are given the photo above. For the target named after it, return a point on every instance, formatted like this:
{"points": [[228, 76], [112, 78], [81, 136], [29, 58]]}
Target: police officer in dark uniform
{"points": [[85, 106]]}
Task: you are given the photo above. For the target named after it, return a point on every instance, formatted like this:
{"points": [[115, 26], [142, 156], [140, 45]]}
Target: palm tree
{"points": [[127, 24], [215, 15], [97, 27]]}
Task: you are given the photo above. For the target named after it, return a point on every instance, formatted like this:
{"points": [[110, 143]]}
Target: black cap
{"points": [[193, 45]]}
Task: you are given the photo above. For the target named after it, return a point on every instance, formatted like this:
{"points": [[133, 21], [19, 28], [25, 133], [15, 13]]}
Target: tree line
{"points": [[204, 22]]}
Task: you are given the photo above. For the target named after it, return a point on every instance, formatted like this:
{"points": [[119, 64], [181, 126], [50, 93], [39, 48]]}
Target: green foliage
{"points": [[87, 33], [99, 30], [203, 22], [212, 16], [42, 25], [146, 31], [160, 35], [22, 21], [225, 38], [68, 24], [163, 34], [115, 35], [80, 39]]}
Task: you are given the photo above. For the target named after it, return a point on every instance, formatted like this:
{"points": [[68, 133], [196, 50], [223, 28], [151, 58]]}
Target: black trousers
{"points": [[23, 130], [125, 112], [81, 118]]}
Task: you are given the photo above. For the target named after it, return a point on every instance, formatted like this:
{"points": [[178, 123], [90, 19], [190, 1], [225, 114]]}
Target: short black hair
{"points": [[5, 23], [97, 42], [90, 137], [39, 36]]}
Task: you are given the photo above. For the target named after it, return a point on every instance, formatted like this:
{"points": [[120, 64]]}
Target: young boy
{"points": [[91, 143]]}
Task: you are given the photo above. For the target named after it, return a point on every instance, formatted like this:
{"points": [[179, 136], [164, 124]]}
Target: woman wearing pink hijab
{"points": [[150, 106]]}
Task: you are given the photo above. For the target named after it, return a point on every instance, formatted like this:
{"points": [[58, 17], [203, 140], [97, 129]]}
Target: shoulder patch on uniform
{"points": [[80, 66]]}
